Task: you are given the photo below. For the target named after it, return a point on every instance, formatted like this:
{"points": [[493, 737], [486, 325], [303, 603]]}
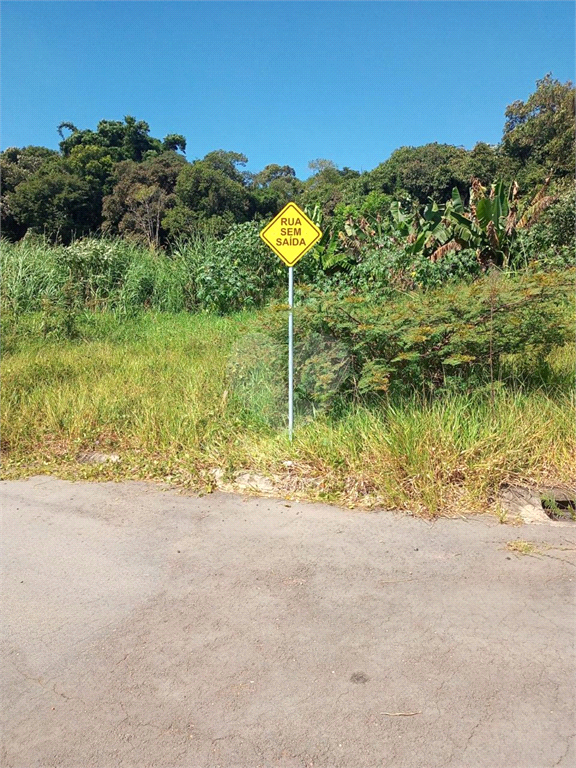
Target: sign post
{"points": [[291, 234], [290, 353]]}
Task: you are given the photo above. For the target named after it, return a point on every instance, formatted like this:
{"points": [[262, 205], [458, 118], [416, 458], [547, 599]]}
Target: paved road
{"points": [[145, 628]]}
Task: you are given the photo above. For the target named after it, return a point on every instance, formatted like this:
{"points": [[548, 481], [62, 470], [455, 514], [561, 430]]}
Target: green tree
{"points": [[539, 132], [128, 140], [18, 165], [94, 164], [55, 202], [486, 163], [328, 186], [228, 163], [210, 194], [174, 142], [427, 172], [274, 187], [142, 195]]}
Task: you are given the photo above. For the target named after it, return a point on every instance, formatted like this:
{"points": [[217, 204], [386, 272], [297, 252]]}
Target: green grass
{"points": [[124, 277], [179, 395], [108, 274]]}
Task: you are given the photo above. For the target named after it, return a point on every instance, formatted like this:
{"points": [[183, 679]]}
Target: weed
{"points": [[520, 547], [558, 511]]}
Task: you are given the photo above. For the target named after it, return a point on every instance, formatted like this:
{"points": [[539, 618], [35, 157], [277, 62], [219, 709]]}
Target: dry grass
{"points": [[520, 547]]}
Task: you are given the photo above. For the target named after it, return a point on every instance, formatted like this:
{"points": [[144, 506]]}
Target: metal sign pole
{"points": [[290, 353], [291, 234]]}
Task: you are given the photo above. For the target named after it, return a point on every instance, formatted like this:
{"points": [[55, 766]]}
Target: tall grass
{"points": [[30, 272], [124, 277], [109, 274], [165, 393]]}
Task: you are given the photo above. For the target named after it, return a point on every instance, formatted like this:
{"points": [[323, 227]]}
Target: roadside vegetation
{"points": [[187, 398], [434, 320]]}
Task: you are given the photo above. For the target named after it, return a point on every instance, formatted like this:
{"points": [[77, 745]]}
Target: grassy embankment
{"points": [[157, 390], [179, 395]]}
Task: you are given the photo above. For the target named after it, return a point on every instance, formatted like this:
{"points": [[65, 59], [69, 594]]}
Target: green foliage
{"points": [[489, 227], [107, 274], [427, 172], [256, 379], [227, 163], [60, 196], [328, 186], [55, 202], [174, 142], [550, 242], [143, 194], [392, 268], [486, 162], [16, 166], [494, 220], [539, 133], [237, 272], [31, 271], [456, 334], [160, 390], [322, 365], [128, 140], [60, 319], [350, 231], [273, 188], [210, 196], [93, 164], [88, 185]]}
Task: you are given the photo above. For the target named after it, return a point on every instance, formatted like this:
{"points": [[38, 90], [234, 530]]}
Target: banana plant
{"points": [[491, 224], [420, 233], [434, 231]]}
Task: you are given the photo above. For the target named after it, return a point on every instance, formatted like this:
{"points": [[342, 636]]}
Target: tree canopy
{"points": [[119, 179], [539, 132]]}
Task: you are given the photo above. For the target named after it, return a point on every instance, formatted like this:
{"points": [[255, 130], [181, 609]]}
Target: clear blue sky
{"points": [[282, 82]]}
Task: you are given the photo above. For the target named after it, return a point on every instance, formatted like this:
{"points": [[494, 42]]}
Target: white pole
{"points": [[290, 353]]}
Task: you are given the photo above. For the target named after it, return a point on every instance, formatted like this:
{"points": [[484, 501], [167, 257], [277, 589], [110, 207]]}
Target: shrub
{"points": [[550, 242], [237, 272], [454, 335]]}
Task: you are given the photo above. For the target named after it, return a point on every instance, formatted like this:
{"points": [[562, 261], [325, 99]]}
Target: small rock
{"points": [[93, 457]]}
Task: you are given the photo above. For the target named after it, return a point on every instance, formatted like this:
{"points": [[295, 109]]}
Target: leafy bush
{"points": [[380, 273], [550, 242], [237, 272], [395, 268], [454, 335]]}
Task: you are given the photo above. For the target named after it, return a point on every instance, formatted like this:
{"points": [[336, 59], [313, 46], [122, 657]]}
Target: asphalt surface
{"points": [[147, 628]]}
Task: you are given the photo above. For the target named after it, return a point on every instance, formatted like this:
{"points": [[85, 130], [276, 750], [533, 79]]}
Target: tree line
{"points": [[118, 180]]}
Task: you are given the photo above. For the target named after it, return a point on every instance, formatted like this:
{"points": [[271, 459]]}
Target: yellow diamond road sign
{"points": [[291, 234]]}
